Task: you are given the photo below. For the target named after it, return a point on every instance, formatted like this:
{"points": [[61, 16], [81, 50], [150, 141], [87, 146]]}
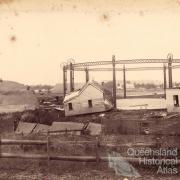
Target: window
{"points": [[70, 106], [144, 125], [176, 100], [90, 103]]}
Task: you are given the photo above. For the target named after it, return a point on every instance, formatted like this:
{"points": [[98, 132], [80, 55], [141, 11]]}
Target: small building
{"points": [[90, 98], [173, 99], [119, 86], [129, 86], [68, 128]]}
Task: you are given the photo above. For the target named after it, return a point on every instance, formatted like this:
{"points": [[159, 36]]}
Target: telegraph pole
{"points": [[124, 81], [170, 58], [114, 81], [64, 79], [87, 74], [71, 78], [165, 85]]}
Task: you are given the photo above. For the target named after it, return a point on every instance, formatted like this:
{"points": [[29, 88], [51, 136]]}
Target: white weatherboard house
{"points": [[173, 100], [89, 99]]}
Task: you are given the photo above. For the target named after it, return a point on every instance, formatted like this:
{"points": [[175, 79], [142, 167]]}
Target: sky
{"points": [[36, 37]]}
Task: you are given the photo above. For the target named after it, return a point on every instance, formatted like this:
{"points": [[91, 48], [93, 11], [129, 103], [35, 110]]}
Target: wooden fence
{"points": [[96, 158]]}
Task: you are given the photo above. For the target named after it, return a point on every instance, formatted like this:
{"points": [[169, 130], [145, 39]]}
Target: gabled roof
{"points": [[74, 94], [71, 95], [25, 127], [57, 126]]}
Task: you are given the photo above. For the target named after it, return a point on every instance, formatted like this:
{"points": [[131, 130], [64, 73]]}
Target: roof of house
{"points": [[25, 128], [41, 128], [74, 94], [58, 126]]}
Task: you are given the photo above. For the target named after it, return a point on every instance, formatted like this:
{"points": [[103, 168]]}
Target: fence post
{"points": [[48, 155], [0, 145], [97, 150], [101, 126], [75, 145]]}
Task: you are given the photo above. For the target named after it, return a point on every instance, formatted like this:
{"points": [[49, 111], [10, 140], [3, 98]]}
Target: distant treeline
{"points": [[40, 87], [109, 85], [147, 85]]}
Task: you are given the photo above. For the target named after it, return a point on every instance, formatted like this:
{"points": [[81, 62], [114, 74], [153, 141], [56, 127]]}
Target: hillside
{"points": [[8, 86], [15, 97], [58, 88]]}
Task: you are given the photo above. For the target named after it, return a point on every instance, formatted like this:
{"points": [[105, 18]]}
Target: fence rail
{"points": [[21, 142], [66, 131], [49, 157], [101, 144], [73, 158]]}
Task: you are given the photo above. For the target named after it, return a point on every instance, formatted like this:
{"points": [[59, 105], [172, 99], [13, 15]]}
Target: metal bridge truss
{"points": [[134, 61], [71, 66], [127, 69]]}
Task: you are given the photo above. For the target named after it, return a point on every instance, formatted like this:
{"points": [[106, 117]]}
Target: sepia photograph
{"points": [[89, 89]]}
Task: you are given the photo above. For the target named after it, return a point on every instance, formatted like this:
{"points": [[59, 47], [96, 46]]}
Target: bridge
{"points": [[71, 66]]}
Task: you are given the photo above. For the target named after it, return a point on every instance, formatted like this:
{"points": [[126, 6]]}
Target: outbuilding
{"points": [[90, 98], [173, 99]]}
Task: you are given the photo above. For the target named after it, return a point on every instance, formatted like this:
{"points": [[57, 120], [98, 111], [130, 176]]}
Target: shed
{"points": [[90, 98], [62, 126], [173, 100], [94, 128], [25, 128]]}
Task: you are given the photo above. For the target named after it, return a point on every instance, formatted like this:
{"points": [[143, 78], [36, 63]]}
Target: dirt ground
{"points": [[21, 169], [18, 169], [81, 174]]}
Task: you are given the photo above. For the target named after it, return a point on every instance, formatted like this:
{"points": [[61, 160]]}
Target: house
{"points": [[91, 98], [173, 99], [129, 86], [119, 86]]}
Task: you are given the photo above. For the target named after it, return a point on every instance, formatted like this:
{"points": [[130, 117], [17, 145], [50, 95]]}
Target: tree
{"points": [[108, 85], [28, 88]]}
